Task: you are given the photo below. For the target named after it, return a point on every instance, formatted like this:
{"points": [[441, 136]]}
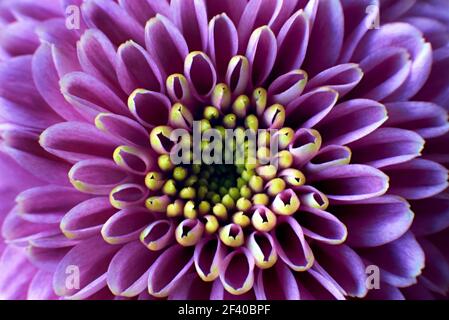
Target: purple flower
{"points": [[93, 207]]}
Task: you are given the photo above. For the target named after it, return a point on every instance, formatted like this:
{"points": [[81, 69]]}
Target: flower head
{"points": [[336, 163]]}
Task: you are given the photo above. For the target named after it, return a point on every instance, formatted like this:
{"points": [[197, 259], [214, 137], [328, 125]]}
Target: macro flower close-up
{"points": [[224, 149]]}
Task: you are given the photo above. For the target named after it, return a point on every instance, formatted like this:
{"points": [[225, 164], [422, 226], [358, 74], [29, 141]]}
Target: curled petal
{"points": [[287, 87], [192, 287], [329, 156], [417, 179], [127, 195], [277, 283], [436, 273], [201, 74], [126, 225], [387, 146], [427, 119], [238, 75], [158, 235], [322, 226], [315, 286], [150, 108], [220, 293], [87, 218], [97, 176], [189, 232], [291, 245], [223, 42], [261, 53], [165, 44], [178, 89], [168, 270], [127, 275], [133, 159], [305, 145], [191, 19], [209, 253], [376, 221], [136, 69], [351, 120], [309, 109], [237, 271], [341, 78], [122, 128], [262, 247], [350, 182], [311, 197]]}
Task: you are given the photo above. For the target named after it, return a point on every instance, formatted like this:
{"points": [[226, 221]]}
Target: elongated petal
{"points": [[237, 272], [126, 225], [341, 78], [427, 119], [87, 218], [400, 261], [350, 182], [287, 87], [277, 283], [223, 42], [261, 53], [310, 108], [97, 176], [417, 179], [375, 222], [40, 287], [431, 221], [291, 246], [76, 141], [145, 9], [168, 269], [329, 156], [387, 146], [127, 274], [201, 74], [150, 108], [136, 69], [351, 121], [208, 256], [165, 44]]}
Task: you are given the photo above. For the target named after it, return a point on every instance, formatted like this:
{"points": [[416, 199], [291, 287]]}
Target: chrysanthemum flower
{"points": [[360, 179]]}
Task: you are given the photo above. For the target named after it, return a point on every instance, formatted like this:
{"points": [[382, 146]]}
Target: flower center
{"points": [[229, 172]]}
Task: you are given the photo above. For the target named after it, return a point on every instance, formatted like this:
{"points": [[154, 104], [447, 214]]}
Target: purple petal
{"points": [[18, 38], [387, 146], [40, 287], [237, 272], [200, 72], [425, 118], [97, 176], [143, 10], [127, 274], [436, 273], [92, 267], [191, 19], [287, 87], [277, 283], [232, 8], [341, 78], [192, 287], [351, 120], [86, 219], [431, 221], [400, 261], [344, 266], [126, 225], [76, 141], [47, 204], [165, 44], [329, 156], [112, 20], [208, 256], [223, 42], [375, 222], [417, 179], [261, 53], [150, 108], [291, 245], [350, 182], [136, 69], [292, 41], [168, 270], [314, 286]]}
